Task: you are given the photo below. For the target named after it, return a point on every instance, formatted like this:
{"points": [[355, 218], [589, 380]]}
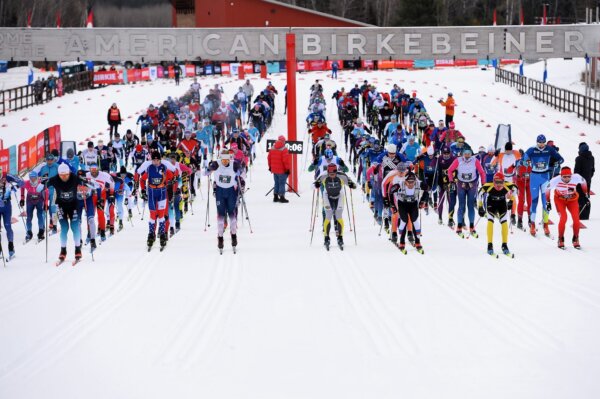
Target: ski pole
{"points": [[1, 249], [46, 217], [347, 207], [206, 222], [244, 205], [21, 211], [312, 209], [314, 217], [353, 220], [143, 209]]}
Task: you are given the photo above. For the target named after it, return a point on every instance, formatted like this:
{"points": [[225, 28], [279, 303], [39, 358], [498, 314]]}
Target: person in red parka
{"points": [[279, 164], [114, 119]]}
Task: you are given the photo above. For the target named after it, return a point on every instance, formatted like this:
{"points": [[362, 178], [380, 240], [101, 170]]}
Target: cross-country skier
{"points": [[408, 196], [34, 197], [7, 186], [493, 198]]}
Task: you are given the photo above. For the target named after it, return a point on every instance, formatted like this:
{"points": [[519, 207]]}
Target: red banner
{"points": [[106, 77], [57, 136], [190, 70], [171, 72], [40, 150], [368, 64], [248, 67], [506, 62], [145, 73], [134, 75], [225, 69], [23, 156], [383, 64], [404, 64], [300, 66], [315, 65], [32, 157], [465, 63], [5, 160], [444, 63]]}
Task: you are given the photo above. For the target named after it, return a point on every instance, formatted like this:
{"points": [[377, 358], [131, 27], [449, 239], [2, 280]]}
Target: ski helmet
{"points": [[541, 138], [498, 176], [155, 155], [328, 153], [391, 148], [410, 177], [332, 168]]}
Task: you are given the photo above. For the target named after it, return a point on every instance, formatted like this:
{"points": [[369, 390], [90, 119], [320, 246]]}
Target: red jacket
{"points": [[279, 158]]}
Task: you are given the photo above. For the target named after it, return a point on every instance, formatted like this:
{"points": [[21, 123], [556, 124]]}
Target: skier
{"points": [[64, 194], [102, 182], [7, 183], [493, 201], [522, 177], [540, 156], [566, 198], [34, 197], [332, 186], [226, 188], [86, 190], [155, 175], [467, 168], [279, 160], [408, 196]]}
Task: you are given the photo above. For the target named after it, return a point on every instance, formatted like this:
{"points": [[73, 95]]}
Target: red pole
{"points": [[290, 47]]}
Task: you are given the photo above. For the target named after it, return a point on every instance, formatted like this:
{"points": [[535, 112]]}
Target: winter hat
{"points": [[138, 147], [451, 125], [565, 171], [33, 174], [491, 148], [149, 137], [583, 147], [508, 146], [391, 148], [281, 138], [481, 149], [430, 150], [63, 169]]}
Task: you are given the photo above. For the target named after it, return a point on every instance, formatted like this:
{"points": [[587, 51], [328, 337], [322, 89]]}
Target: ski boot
{"points": [[172, 231], [394, 237], [54, 229], [41, 235], [93, 244], [63, 254], [411, 237], [163, 241], [561, 242], [575, 242], [386, 225], [120, 225], [505, 249], [513, 220], [451, 223], [150, 241], [103, 235], [459, 230], [327, 242], [440, 221], [546, 230], [11, 250], [111, 229], [490, 249], [473, 233], [28, 236], [77, 253], [520, 223], [220, 244], [275, 197], [177, 227], [532, 229], [283, 200], [234, 242], [340, 241], [402, 247]]}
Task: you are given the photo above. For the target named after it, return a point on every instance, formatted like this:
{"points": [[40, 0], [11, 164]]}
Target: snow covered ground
{"points": [[282, 319], [16, 77], [561, 73]]}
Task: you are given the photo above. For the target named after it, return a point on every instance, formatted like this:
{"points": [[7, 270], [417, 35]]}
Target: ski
{"points": [[509, 255], [234, 250], [403, 250], [221, 251], [76, 261], [59, 262], [492, 254]]}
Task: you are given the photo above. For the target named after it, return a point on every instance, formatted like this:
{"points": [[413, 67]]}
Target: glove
{"points": [[351, 185], [287, 172], [509, 204], [370, 185], [111, 199], [22, 203], [386, 202], [481, 211], [144, 195], [45, 207], [317, 184], [548, 206], [126, 201]]}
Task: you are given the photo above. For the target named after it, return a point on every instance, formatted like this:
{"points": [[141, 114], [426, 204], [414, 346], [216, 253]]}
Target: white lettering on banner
{"points": [[311, 44], [105, 47], [440, 43], [106, 44]]}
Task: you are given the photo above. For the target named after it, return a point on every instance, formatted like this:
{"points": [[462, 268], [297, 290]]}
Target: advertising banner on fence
{"points": [[5, 160], [57, 135], [106, 77], [382, 64], [40, 148], [444, 63], [32, 157], [190, 70], [23, 156], [234, 69], [13, 166], [225, 68], [153, 72], [368, 64], [403, 64], [300, 66]]}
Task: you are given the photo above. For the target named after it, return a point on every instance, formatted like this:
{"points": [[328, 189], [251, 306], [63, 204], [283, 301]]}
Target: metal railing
{"points": [[22, 97], [586, 108]]}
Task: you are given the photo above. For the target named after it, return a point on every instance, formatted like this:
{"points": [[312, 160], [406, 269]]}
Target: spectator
{"points": [[114, 119], [279, 164], [585, 167], [449, 104]]}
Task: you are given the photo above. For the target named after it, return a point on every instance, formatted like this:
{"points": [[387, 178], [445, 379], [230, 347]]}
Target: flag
{"points": [[545, 76], [521, 16], [521, 72], [494, 17], [544, 21], [29, 18], [30, 73], [58, 19], [90, 19]]}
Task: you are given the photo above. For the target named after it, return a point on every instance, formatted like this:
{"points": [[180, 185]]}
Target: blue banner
{"points": [[424, 63], [272, 67], [13, 164], [208, 69]]}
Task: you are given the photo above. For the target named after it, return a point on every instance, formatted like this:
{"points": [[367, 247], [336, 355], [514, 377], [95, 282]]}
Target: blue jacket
{"points": [[540, 159]]}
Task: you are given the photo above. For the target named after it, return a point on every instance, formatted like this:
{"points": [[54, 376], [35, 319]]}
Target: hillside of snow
{"points": [[566, 74], [283, 319]]}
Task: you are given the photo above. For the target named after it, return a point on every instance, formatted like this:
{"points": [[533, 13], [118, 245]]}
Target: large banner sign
{"points": [[152, 44]]}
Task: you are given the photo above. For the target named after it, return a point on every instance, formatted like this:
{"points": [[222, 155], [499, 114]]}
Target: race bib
{"points": [[66, 195], [225, 179], [466, 176], [540, 166], [156, 181]]}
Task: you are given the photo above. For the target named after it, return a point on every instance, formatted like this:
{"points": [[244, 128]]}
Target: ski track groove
{"points": [[386, 336], [496, 317], [50, 348], [28, 291], [200, 332]]}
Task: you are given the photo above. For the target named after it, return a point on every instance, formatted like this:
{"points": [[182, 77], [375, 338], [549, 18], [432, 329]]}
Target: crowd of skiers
{"points": [[182, 140], [406, 163]]}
